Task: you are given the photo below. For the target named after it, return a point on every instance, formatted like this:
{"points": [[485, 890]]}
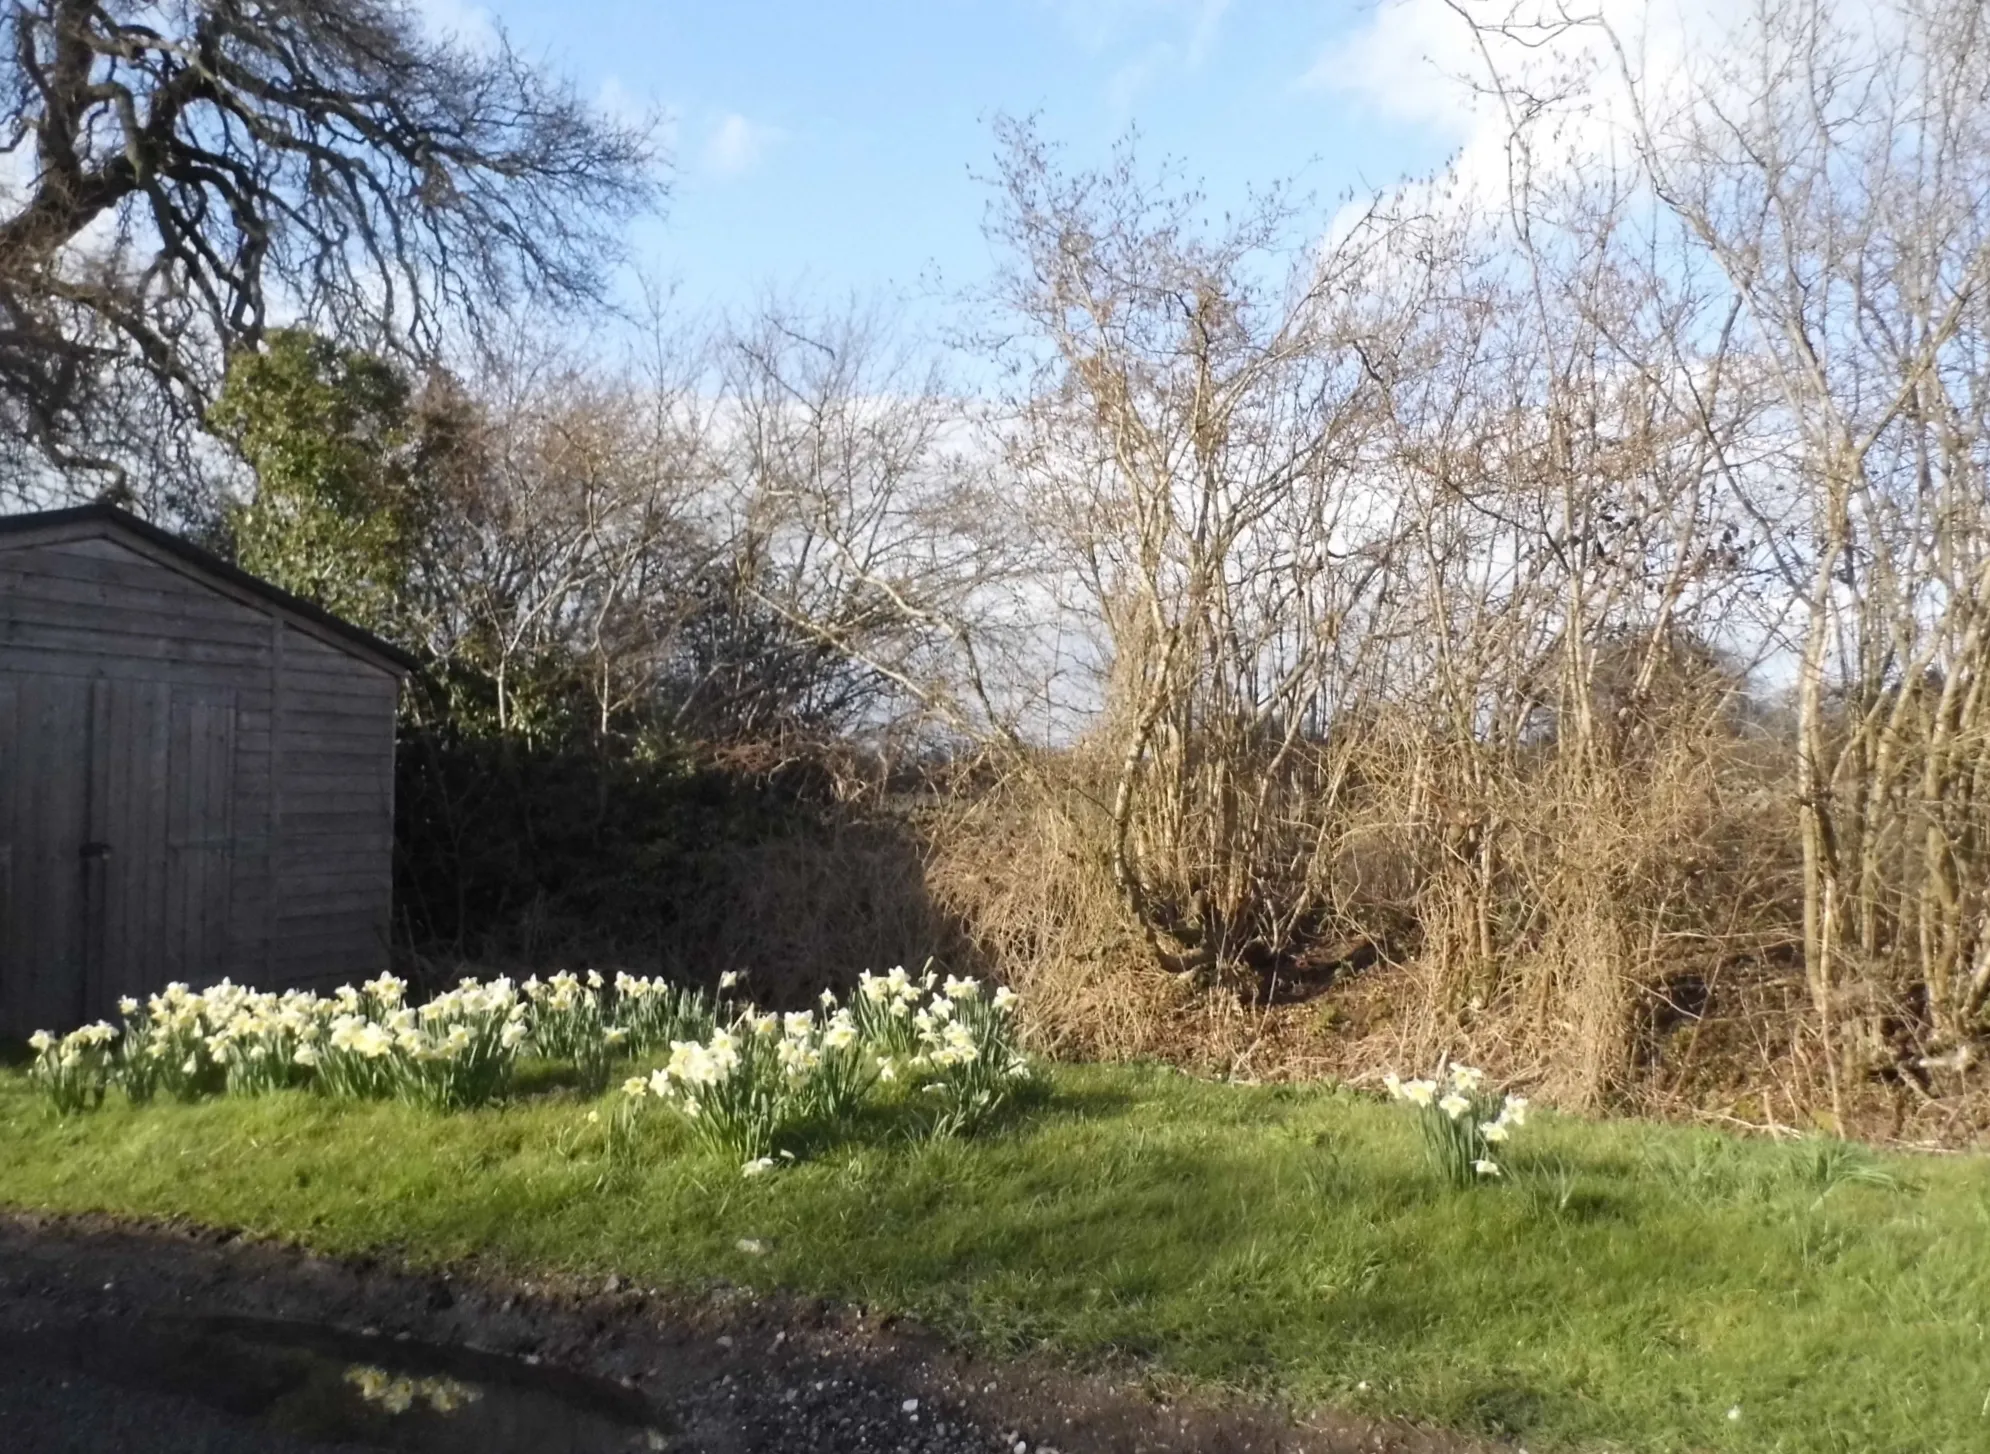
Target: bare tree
{"points": [[1835, 171], [1197, 416], [195, 168], [859, 520]]}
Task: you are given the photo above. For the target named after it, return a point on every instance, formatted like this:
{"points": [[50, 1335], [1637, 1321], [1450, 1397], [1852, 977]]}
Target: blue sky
{"points": [[828, 148]]}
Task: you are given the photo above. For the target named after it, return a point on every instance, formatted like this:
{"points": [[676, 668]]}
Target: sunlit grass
{"points": [[1626, 1286]]}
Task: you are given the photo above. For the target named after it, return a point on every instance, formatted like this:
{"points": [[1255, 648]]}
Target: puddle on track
{"points": [[327, 1385]]}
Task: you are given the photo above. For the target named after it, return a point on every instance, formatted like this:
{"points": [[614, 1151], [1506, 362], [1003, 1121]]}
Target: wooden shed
{"points": [[196, 774]]}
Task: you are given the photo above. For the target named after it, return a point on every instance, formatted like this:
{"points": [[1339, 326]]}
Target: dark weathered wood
{"points": [[49, 661], [85, 639], [58, 600], [43, 950], [13, 905], [228, 762]]}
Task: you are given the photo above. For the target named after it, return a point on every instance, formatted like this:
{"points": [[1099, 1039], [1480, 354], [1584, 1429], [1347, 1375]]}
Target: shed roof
{"points": [[110, 521]]}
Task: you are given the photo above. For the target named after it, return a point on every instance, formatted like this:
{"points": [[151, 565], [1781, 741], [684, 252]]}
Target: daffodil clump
{"points": [[967, 1056], [752, 1082], [656, 1012], [747, 1084], [743, 1079], [884, 1008], [728, 1088], [459, 1049], [570, 1022], [1464, 1124], [455, 1051], [255, 1038], [355, 1059], [163, 1045], [75, 1070]]}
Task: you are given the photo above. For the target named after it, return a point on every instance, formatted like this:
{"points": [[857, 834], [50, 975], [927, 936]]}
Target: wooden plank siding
{"points": [[195, 781], [334, 873]]}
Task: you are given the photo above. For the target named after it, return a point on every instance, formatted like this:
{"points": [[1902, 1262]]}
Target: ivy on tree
{"points": [[342, 502]]}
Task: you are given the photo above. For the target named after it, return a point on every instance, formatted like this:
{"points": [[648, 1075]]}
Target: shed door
{"points": [[159, 854], [119, 800], [44, 723]]}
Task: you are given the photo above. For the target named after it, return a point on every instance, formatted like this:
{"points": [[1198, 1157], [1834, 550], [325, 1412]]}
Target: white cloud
{"points": [[737, 145], [1419, 62], [1166, 36], [1202, 35]]}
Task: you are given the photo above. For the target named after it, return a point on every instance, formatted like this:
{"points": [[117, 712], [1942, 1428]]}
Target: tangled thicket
{"points": [[1547, 628]]}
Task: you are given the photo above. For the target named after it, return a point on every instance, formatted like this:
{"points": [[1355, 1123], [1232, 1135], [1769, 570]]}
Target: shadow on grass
{"points": [[904, 1120], [535, 1078], [1503, 1410]]}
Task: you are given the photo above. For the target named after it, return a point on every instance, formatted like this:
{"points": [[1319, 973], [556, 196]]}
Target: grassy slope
{"points": [[1627, 1287]]}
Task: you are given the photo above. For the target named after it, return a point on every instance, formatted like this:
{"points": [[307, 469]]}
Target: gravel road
{"points": [[165, 1339]]}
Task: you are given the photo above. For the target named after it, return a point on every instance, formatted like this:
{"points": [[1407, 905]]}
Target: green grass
{"points": [[1624, 1289]]}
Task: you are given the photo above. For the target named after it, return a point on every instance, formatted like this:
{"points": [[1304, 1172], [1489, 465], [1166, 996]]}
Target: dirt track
{"points": [[115, 1337]]}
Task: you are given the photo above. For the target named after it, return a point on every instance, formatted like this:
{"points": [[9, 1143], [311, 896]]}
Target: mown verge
{"points": [[1626, 1286]]}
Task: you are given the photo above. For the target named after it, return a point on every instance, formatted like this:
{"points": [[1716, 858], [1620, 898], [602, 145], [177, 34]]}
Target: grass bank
{"points": [[1629, 1287]]}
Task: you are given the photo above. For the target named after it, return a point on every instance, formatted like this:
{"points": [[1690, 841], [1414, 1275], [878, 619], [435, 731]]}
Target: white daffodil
{"points": [[1495, 1132], [1467, 1078], [1419, 1092], [1486, 1168], [1454, 1105]]}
